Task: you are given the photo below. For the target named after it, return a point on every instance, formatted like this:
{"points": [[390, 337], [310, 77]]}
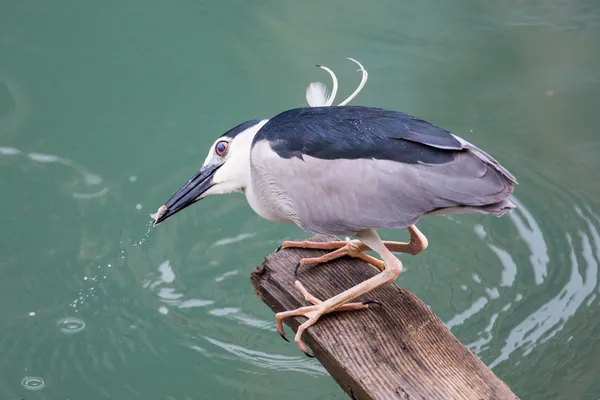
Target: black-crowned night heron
{"points": [[348, 170]]}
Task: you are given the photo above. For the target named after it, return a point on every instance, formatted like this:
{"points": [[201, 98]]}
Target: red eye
{"points": [[221, 148]]}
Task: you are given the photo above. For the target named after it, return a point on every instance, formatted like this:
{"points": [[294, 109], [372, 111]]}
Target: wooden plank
{"points": [[399, 350]]}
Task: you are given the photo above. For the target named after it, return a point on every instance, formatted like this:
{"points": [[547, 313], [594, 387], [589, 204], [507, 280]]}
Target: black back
{"points": [[352, 132]]}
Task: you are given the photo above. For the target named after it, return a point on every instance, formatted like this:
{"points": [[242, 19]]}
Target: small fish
{"points": [[161, 211]]}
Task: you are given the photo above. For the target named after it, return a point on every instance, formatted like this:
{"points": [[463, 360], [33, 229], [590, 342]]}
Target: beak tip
{"points": [[187, 195], [157, 217]]}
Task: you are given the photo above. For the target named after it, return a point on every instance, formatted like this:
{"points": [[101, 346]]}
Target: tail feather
{"points": [[485, 157], [496, 209]]}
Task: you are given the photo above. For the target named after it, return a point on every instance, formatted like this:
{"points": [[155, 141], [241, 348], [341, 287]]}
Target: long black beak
{"points": [[189, 193]]}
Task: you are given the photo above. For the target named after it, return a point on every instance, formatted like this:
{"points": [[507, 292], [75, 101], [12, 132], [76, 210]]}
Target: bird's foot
{"points": [[313, 313], [287, 244], [352, 248], [355, 248]]}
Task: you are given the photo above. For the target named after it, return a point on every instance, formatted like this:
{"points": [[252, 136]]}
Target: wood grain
{"points": [[399, 350]]}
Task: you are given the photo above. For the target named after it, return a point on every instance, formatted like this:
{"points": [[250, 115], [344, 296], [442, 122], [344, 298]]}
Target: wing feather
{"points": [[342, 196], [342, 169]]}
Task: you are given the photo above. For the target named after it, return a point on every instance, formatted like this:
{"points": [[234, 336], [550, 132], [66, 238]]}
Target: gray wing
{"points": [[344, 196], [342, 169]]}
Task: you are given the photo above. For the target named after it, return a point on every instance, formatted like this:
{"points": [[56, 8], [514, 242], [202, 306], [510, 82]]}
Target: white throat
{"points": [[234, 175]]}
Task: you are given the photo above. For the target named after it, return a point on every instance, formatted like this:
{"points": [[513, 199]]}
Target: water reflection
{"points": [[509, 270], [582, 248], [522, 80], [270, 361], [168, 294], [549, 319], [238, 238], [534, 238], [164, 287], [459, 319], [89, 179], [498, 299]]}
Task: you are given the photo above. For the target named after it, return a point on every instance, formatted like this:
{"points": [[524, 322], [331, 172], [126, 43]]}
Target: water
{"points": [[107, 107]]}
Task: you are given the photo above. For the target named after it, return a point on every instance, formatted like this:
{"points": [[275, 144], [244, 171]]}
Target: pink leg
{"points": [[393, 267], [418, 242], [355, 248]]}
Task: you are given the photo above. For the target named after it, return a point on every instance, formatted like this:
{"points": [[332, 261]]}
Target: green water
{"points": [[106, 108]]}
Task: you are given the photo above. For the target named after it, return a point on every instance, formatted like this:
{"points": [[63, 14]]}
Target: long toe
{"points": [[352, 248], [333, 245], [313, 313]]}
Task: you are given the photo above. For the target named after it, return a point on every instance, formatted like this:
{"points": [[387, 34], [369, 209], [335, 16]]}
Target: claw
{"points": [[372, 302], [279, 248], [296, 269], [312, 313]]}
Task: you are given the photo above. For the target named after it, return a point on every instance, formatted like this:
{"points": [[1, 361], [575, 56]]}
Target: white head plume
{"points": [[316, 92]]}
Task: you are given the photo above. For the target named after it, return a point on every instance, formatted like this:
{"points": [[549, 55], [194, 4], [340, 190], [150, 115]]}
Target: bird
{"points": [[347, 170]]}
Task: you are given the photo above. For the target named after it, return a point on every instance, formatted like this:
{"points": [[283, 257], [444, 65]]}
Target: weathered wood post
{"points": [[400, 350]]}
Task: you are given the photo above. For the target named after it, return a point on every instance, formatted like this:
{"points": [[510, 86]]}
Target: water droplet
{"points": [[132, 178], [138, 206], [85, 278], [71, 325], [33, 383], [32, 314]]}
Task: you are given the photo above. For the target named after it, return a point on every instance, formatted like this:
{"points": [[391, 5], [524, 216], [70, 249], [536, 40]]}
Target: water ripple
{"points": [[33, 383], [70, 325], [230, 240], [168, 294], [564, 280], [271, 361], [460, 318], [550, 318], [509, 270], [89, 179], [534, 238]]}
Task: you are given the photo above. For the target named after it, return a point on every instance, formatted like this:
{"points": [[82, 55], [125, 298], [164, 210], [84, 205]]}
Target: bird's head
{"points": [[225, 170]]}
